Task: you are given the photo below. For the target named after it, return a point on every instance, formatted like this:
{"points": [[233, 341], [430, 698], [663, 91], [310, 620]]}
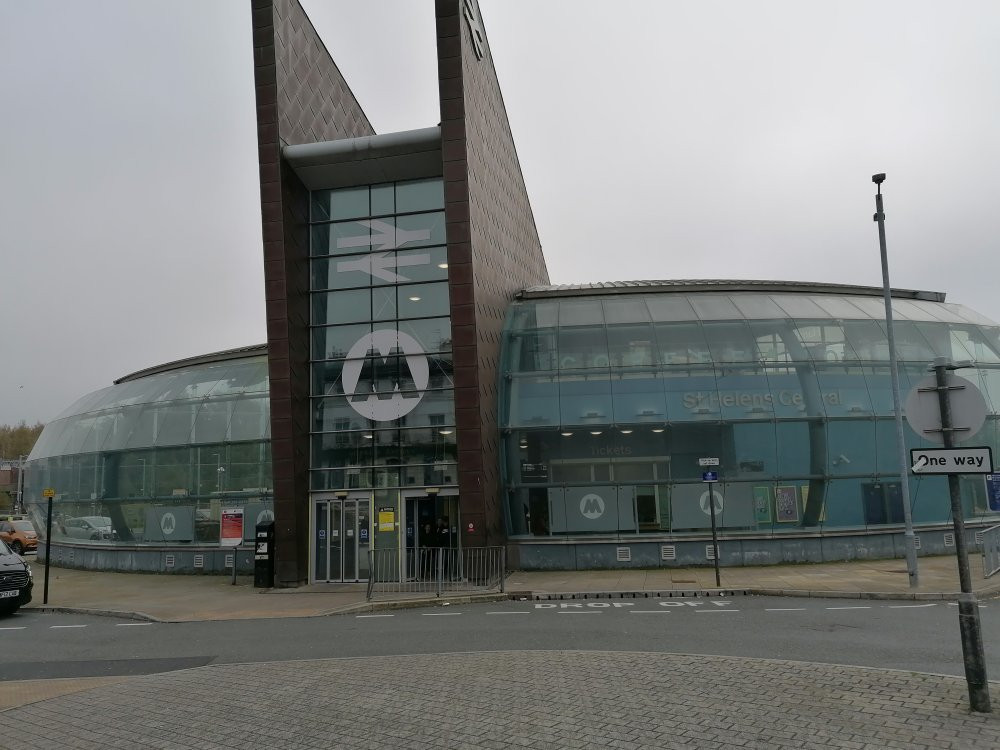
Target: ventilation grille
{"points": [[709, 551], [624, 554], [199, 561], [916, 541], [668, 552], [949, 539], [979, 538], [230, 559], [169, 561]]}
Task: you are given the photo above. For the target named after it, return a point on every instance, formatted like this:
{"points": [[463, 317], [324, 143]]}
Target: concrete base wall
{"points": [[150, 559], [605, 554]]}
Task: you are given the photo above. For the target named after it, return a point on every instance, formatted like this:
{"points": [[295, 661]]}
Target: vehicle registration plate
{"points": [[8, 594]]}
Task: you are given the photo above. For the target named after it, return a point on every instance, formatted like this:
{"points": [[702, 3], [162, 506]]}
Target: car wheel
{"points": [[9, 609], [17, 547]]}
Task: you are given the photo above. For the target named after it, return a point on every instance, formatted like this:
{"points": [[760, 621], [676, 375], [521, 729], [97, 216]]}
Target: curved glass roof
{"points": [[606, 306], [216, 402]]}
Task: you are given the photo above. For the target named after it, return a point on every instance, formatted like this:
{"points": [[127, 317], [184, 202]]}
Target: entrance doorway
{"points": [[432, 522], [341, 538]]}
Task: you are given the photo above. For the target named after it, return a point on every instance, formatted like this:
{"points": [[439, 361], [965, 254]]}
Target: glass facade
{"points": [[155, 459], [608, 402], [382, 389]]}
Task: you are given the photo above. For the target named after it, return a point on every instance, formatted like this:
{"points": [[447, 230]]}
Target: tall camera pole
{"points": [[908, 538]]}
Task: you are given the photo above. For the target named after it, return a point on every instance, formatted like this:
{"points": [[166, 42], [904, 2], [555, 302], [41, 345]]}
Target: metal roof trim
{"points": [[202, 359]]}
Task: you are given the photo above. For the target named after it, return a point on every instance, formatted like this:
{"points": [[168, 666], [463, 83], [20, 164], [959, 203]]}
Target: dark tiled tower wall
{"points": [[301, 98], [493, 250]]}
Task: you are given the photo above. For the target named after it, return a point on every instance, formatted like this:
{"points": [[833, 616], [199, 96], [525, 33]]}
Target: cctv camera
{"points": [[878, 179]]}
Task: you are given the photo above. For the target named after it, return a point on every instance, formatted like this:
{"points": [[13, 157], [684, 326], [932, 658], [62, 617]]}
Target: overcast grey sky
{"points": [[658, 139]]}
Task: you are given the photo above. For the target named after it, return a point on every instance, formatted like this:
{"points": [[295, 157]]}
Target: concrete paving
{"points": [[531, 699]]}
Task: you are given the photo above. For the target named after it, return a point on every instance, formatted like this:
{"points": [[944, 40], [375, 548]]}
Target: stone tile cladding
{"points": [[493, 251], [301, 98]]}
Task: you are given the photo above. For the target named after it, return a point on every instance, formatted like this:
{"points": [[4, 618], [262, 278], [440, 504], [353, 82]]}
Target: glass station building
{"points": [[613, 392], [421, 377]]}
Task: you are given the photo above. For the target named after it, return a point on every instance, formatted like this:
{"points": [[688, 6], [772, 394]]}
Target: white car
{"points": [[94, 528]]}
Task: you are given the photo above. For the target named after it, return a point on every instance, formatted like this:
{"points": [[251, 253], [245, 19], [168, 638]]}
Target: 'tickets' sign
{"points": [[232, 527]]}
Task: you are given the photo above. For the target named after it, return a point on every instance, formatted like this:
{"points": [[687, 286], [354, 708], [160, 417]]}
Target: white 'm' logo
{"points": [[384, 342], [168, 524], [592, 506], [265, 516], [703, 501]]}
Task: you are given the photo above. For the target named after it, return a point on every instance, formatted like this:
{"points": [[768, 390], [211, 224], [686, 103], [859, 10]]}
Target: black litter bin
{"points": [[263, 556]]}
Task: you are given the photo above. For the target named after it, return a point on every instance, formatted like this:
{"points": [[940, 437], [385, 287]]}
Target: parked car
{"points": [[94, 528], [15, 581], [19, 535]]}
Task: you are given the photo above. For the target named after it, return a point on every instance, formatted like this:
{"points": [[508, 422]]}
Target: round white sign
{"points": [[265, 516], [385, 342], [923, 409], [717, 501], [592, 506], [168, 524]]}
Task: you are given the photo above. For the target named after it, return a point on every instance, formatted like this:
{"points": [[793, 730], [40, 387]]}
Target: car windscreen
{"points": [[23, 526]]}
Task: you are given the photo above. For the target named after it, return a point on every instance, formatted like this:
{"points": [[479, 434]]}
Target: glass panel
{"points": [[632, 345], [730, 342], [343, 450], [350, 540], [714, 307], [341, 307], [345, 203], [423, 300], [638, 397], [682, 344], [756, 306], [585, 399], [419, 230], [670, 308], [625, 311], [337, 540], [321, 542], [331, 343], [691, 395], [434, 335], [793, 442], [382, 199], [419, 195], [533, 351], [383, 303], [583, 347], [534, 401], [349, 237], [212, 422], [364, 537]]}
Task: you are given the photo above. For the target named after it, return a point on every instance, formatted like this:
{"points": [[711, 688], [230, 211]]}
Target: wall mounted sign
{"points": [[231, 532], [786, 504], [384, 342]]}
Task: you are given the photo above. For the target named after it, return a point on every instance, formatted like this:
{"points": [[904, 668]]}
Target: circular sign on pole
{"points": [[923, 410]]}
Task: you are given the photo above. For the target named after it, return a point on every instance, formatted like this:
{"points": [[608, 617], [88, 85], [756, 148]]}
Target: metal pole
{"points": [[909, 541], [48, 551], [715, 535], [20, 484], [968, 608]]}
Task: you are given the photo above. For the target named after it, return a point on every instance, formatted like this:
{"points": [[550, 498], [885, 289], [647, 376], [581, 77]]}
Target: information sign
{"points": [[48, 492], [993, 491], [951, 460], [710, 476], [708, 462], [232, 527]]}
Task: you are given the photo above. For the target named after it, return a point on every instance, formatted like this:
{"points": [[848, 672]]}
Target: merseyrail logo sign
{"points": [[384, 343], [592, 506]]}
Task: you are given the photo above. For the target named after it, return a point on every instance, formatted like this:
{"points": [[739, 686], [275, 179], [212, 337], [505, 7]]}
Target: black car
{"points": [[15, 581]]}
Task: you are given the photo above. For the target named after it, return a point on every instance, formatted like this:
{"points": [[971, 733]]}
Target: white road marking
{"points": [[910, 606], [508, 613], [581, 612], [713, 611], [360, 616], [649, 611], [786, 609], [865, 607], [53, 627], [20, 627], [439, 614], [131, 624]]}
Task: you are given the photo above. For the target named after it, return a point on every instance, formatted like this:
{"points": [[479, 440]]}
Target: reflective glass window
{"points": [[583, 347], [632, 345], [419, 195], [585, 399], [670, 308], [682, 344], [434, 335], [336, 341], [346, 203], [384, 303], [793, 444], [341, 307], [534, 401], [581, 313], [714, 307], [423, 300], [637, 397]]}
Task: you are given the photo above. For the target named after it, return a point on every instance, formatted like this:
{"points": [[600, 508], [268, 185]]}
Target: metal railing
{"points": [[991, 551], [435, 570]]}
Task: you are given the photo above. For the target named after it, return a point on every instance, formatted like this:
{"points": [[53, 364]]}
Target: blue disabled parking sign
{"points": [[710, 476]]}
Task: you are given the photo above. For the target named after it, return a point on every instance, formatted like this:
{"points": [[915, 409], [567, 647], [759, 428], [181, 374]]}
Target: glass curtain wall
{"points": [[156, 459], [382, 386], [609, 402]]}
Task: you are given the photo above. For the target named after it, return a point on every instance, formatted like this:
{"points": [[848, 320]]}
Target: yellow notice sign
{"points": [[387, 520], [48, 492]]}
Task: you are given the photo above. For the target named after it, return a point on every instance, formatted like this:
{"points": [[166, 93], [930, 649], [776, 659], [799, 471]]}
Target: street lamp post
{"points": [[908, 538]]}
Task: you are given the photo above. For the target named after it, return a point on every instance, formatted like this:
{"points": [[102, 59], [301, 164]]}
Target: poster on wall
{"points": [[762, 504], [993, 491], [387, 519], [232, 527], [786, 504]]}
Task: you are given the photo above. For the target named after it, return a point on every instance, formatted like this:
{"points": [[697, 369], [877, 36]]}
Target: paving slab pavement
{"points": [[554, 700], [180, 598]]}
